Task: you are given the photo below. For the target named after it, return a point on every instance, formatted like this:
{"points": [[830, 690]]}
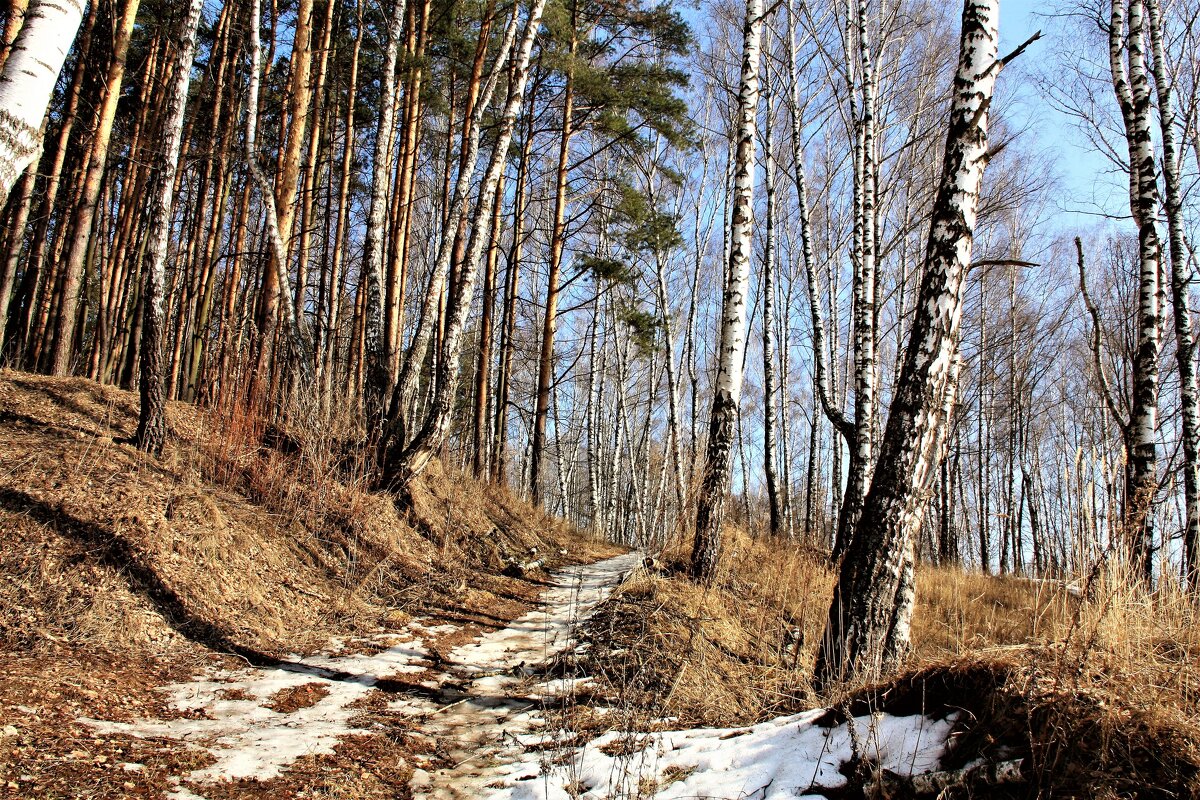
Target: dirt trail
{"points": [[486, 726], [472, 706]]}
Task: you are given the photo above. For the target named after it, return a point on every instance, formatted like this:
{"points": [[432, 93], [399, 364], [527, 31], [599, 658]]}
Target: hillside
{"points": [[119, 572], [241, 619]]}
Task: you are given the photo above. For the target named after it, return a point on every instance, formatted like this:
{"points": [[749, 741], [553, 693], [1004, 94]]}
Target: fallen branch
{"points": [[932, 784]]}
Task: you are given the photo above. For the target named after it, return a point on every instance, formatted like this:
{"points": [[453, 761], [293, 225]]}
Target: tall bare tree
{"points": [[727, 393], [152, 420], [869, 617]]}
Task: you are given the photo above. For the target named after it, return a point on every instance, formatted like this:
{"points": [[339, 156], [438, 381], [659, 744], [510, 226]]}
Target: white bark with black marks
{"points": [[152, 420], [869, 617], [27, 83], [1181, 279], [377, 367], [1132, 89], [405, 460], [727, 390]]}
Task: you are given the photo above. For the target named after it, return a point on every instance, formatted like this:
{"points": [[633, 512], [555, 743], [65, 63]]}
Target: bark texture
{"points": [[27, 82], [152, 420], [869, 617]]}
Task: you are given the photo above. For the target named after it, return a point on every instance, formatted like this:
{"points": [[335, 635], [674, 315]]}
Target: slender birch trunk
{"points": [[865, 280], [377, 380], [1132, 89], [433, 314], [405, 460], [152, 420], [821, 373], [768, 309], [1181, 279], [728, 387]]}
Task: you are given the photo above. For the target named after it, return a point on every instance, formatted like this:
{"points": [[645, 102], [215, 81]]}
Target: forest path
{"points": [[470, 706], [484, 728]]}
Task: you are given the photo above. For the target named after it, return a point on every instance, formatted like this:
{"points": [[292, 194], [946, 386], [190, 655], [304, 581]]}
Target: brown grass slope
{"points": [[225, 541], [1100, 695], [119, 571]]}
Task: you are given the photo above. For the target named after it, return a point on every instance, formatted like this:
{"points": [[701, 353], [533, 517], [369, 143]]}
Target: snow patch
{"points": [[249, 740], [782, 758]]}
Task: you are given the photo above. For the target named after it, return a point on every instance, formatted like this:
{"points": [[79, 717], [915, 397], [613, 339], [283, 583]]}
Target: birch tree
{"points": [[27, 82], [1181, 279], [731, 352], [869, 617], [297, 328], [378, 378], [1130, 81], [152, 421], [404, 460]]}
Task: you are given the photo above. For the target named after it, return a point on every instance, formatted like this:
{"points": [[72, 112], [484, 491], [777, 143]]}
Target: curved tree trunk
{"points": [[405, 460], [872, 604], [378, 378], [277, 289]]}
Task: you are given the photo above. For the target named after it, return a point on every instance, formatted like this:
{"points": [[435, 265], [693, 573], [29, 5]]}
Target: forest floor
{"points": [[241, 618]]}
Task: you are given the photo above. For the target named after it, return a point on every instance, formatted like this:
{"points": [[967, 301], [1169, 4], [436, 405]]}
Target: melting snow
{"points": [[783, 758], [250, 740], [494, 733]]}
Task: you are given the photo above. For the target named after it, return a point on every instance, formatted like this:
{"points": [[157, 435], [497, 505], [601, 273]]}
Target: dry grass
{"points": [[120, 572], [1099, 688], [230, 542]]}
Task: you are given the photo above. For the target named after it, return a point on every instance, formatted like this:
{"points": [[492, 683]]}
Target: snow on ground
{"points": [[230, 717], [783, 758], [488, 727], [488, 723], [228, 712], [539, 634]]}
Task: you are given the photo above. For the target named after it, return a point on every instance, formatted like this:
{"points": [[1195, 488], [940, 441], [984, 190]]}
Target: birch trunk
{"points": [[27, 82], [432, 318], [405, 460], [152, 421], [728, 387], [868, 628], [1181, 279], [768, 320], [864, 287], [377, 380], [1132, 89], [821, 375]]}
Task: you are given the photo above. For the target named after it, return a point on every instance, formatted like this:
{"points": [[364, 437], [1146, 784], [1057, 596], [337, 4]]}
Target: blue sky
{"points": [[1087, 179]]}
